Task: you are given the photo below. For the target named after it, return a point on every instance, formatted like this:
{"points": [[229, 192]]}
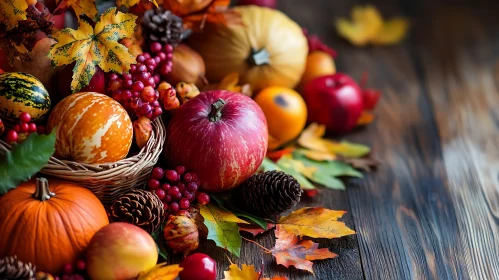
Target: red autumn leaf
{"points": [[255, 229], [289, 250], [276, 155], [315, 44], [19, 41]]}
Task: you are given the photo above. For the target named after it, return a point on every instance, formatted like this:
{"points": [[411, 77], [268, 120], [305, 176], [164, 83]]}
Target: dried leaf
{"points": [[80, 7], [366, 163], [11, 12], [392, 32], [19, 41], [315, 222], [290, 251], [255, 229], [222, 227], [161, 271], [311, 138], [130, 3], [235, 273], [318, 156], [367, 26], [365, 119], [91, 46]]}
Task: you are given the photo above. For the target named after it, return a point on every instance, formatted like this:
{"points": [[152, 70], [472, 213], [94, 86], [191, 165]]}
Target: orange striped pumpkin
{"points": [[91, 128]]}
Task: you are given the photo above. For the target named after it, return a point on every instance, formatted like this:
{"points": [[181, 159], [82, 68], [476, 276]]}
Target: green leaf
{"points": [[327, 181], [162, 251], [25, 160], [226, 205], [160, 241], [222, 227], [331, 168], [288, 165], [268, 165]]}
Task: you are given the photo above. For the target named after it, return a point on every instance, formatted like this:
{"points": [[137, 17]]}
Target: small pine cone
{"points": [[268, 194], [12, 268], [163, 26], [138, 207]]}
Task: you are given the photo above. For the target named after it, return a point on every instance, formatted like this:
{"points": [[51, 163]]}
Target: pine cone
{"points": [[12, 268], [268, 194], [138, 207], [163, 26]]}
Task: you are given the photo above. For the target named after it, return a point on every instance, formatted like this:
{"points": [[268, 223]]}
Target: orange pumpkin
{"points": [[49, 223], [286, 114], [319, 64], [91, 128], [269, 49]]}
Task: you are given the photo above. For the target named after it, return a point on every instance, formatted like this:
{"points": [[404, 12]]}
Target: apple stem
{"points": [[42, 191], [258, 57], [216, 110]]}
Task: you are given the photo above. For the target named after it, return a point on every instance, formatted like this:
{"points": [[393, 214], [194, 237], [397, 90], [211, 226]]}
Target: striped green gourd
{"points": [[21, 92]]}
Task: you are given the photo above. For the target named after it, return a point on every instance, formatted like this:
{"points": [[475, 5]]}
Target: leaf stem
{"points": [[265, 250]]}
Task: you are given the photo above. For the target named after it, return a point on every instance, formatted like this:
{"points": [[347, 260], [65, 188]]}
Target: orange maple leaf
{"points": [[289, 250], [365, 119]]}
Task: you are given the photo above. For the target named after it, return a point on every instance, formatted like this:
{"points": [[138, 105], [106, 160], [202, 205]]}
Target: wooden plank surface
{"points": [[432, 210]]}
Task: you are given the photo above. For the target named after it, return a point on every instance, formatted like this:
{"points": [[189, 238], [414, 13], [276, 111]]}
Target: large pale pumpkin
{"points": [[91, 128], [49, 223], [269, 49]]}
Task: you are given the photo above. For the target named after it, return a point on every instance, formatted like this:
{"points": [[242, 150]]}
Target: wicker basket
{"points": [[109, 181]]}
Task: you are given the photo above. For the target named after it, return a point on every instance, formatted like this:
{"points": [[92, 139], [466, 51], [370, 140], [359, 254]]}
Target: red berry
{"points": [[165, 206], [203, 198], [167, 48], [168, 198], [153, 184], [66, 277], [177, 197], [192, 187], [142, 68], [150, 61], [194, 177], [68, 269], [166, 187], [146, 55], [174, 207], [24, 127], [140, 58], [161, 194], [155, 47], [188, 195], [157, 173], [183, 213], [180, 170], [138, 86], [184, 203], [80, 264], [11, 136], [181, 186], [187, 177], [113, 76], [174, 191], [133, 68], [25, 117], [198, 267], [171, 175], [311, 193], [40, 129], [162, 56], [32, 127]]}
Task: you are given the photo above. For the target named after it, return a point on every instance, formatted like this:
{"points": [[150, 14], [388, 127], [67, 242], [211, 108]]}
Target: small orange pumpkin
{"points": [[91, 128], [286, 114], [49, 223]]}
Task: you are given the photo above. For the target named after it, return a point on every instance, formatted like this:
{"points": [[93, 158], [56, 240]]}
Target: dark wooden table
{"points": [[432, 210]]}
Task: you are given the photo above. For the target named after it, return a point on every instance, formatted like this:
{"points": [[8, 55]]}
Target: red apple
{"points": [[220, 135], [334, 100], [264, 3], [198, 267], [120, 251]]}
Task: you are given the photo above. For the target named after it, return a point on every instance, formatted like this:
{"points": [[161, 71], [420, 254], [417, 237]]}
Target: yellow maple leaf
{"points": [[315, 222], [80, 7], [91, 46], [287, 161], [318, 156], [130, 3], [311, 138], [367, 26], [11, 12], [392, 32], [161, 271], [247, 273]]}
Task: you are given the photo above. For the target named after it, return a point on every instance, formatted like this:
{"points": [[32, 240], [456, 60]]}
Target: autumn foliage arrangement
{"points": [[241, 107]]}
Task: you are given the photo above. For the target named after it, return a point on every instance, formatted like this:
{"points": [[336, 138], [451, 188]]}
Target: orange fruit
{"points": [[286, 114], [319, 64]]}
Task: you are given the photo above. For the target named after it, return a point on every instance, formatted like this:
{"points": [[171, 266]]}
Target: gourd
{"points": [[268, 49], [91, 128], [22, 92], [49, 223]]}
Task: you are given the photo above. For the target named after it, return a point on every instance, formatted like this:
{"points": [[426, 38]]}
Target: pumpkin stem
{"points": [[216, 110], [42, 191], [258, 57]]}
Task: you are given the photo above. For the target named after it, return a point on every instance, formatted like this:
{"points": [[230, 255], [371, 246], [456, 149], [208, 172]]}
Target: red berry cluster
{"points": [[177, 188], [136, 90], [22, 130], [71, 272]]}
